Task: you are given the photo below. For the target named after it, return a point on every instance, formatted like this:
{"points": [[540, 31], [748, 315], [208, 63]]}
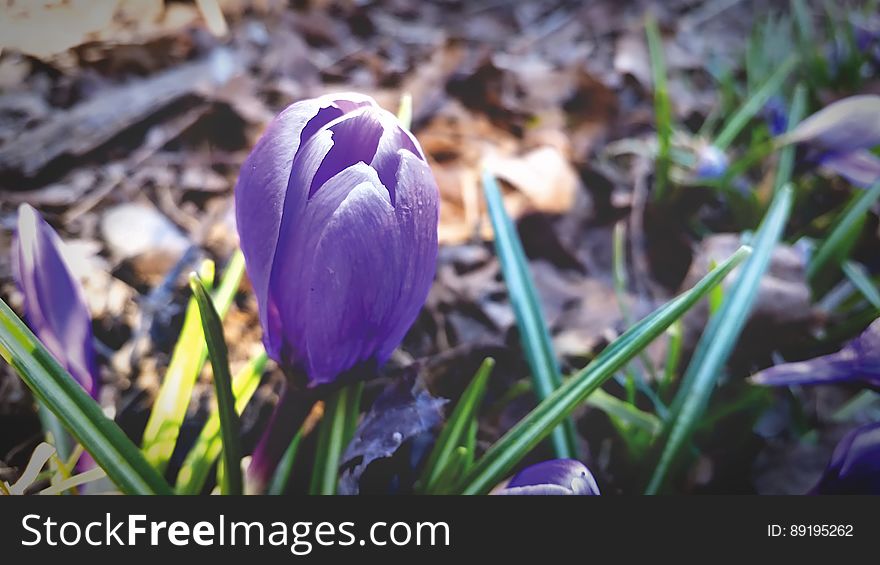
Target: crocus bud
{"points": [[859, 360], [855, 464], [554, 477], [337, 214], [54, 306], [712, 162]]}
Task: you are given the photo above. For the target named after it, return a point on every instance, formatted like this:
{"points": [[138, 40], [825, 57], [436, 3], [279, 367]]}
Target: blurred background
{"points": [[125, 122]]}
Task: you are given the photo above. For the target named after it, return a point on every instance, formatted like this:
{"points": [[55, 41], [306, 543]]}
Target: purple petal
{"points": [[354, 139], [291, 288], [855, 464], [373, 266], [263, 181], [858, 360], [54, 306], [842, 127], [555, 477], [861, 168]]}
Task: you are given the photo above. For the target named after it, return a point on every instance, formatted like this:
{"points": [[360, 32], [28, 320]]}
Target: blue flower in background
{"points": [[555, 477], [855, 464], [54, 307], [775, 114], [712, 162]]}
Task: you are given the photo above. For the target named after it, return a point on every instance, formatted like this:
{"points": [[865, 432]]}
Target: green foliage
{"points": [[80, 414], [533, 331], [229, 425]]}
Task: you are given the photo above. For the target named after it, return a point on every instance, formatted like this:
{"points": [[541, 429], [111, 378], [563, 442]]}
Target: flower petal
{"points": [[355, 138], [304, 223], [855, 464], [861, 168], [416, 213], [53, 302], [264, 179], [844, 126], [356, 283], [555, 477]]}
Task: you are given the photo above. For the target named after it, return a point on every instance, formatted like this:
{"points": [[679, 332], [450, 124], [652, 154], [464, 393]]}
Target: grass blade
{"points": [[455, 430], [662, 107], [501, 458], [202, 456], [786, 155], [834, 247], [754, 104], [858, 276], [285, 466], [533, 331], [405, 110], [719, 339], [229, 424], [673, 356], [190, 354], [337, 426], [80, 414], [624, 412]]}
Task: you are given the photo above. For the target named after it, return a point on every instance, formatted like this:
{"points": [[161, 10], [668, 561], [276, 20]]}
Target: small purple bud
{"points": [[776, 115], [855, 464], [866, 32], [337, 213], [712, 163], [554, 477], [859, 360], [54, 306]]}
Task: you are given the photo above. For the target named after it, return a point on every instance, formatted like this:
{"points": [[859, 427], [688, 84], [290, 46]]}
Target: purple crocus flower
{"points": [[337, 214], [775, 115], [855, 464], [858, 360], [712, 162], [839, 138], [554, 477], [54, 306]]}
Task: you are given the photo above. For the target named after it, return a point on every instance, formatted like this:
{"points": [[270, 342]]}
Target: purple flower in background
{"points": [[866, 32], [712, 162], [554, 477], [54, 306], [840, 136], [775, 114], [337, 214], [858, 360], [855, 464]]}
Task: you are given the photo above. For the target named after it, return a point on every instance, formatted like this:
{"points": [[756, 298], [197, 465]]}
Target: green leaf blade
{"points": [[456, 428], [528, 432], [187, 361], [719, 338], [533, 331], [229, 424], [82, 417], [208, 446]]}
